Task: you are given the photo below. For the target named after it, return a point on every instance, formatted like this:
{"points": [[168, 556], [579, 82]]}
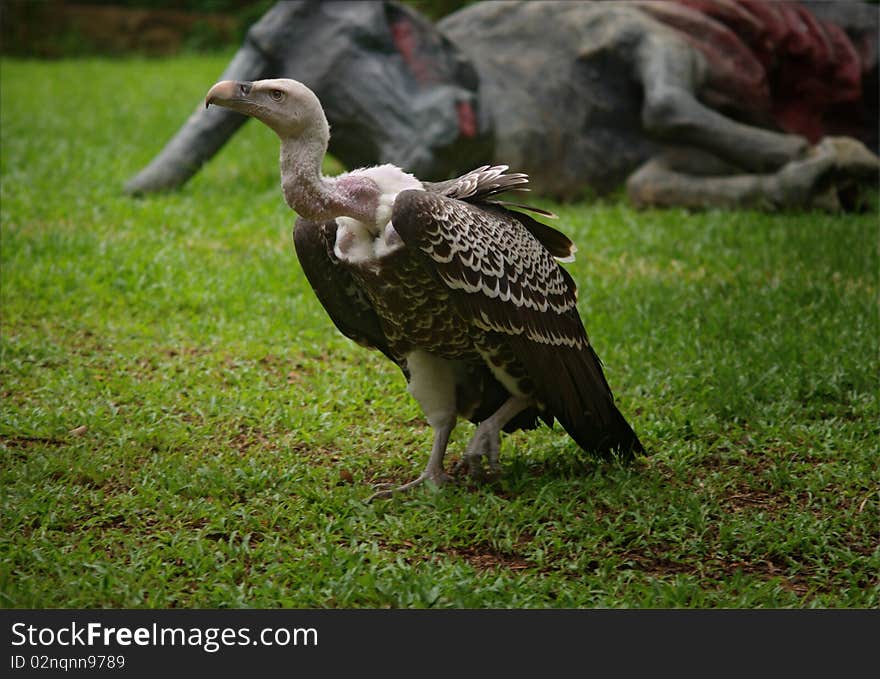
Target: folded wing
{"points": [[504, 281]]}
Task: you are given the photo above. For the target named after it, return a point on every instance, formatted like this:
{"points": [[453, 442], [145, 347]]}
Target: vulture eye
{"points": [[277, 95]]}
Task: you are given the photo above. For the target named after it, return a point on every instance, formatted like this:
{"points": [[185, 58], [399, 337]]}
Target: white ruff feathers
{"points": [[364, 244]]}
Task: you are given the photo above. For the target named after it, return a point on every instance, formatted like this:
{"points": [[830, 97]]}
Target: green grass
{"points": [[231, 434]]}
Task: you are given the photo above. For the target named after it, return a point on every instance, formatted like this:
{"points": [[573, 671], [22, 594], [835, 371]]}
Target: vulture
{"points": [[463, 291]]}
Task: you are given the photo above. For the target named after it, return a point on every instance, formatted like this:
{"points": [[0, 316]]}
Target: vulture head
{"points": [[288, 107], [295, 114]]}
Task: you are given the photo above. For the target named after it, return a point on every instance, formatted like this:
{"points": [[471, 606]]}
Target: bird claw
{"points": [[387, 490], [486, 444], [383, 486], [461, 467], [472, 466], [493, 473]]}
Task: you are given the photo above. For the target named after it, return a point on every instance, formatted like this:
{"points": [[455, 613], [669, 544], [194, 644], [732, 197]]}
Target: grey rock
{"points": [[583, 96]]}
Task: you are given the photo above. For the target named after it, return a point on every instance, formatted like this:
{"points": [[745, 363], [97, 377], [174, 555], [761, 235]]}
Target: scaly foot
{"points": [[486, 442], [385, 490]]}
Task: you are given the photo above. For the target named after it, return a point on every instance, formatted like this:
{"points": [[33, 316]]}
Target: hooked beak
{"points": [[230, 94]]}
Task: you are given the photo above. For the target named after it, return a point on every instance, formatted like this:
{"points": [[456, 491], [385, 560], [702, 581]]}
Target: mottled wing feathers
{"points": [[555, 242], [481, 185], [506, 283], [345, 303]]}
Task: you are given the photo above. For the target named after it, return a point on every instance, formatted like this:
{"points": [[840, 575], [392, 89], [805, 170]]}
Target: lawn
{"points": [[182, 426]]}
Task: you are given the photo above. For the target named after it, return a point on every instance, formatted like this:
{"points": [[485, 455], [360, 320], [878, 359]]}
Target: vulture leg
{"points": [[432, 383], [434, 469], [487, 438]]}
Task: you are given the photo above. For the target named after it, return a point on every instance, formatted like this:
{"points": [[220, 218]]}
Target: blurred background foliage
{"points": [[59, 28]]}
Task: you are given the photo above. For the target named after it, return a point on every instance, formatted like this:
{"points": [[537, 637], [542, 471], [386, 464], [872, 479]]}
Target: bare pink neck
{"points": [[319, 198]]}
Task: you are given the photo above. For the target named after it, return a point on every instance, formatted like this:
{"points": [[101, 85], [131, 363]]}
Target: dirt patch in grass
{"points": [[766, 569], [319, 455], [78, 479], [20, 443], [715, 570], [485, 558], [743, 497], [482, 557], [247, 438]]}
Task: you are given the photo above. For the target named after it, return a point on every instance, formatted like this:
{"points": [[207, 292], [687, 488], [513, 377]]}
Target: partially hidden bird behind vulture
{"points": [[461, 290]]}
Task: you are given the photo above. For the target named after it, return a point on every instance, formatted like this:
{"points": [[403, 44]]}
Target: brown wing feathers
{"points": [[506, 282]]}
